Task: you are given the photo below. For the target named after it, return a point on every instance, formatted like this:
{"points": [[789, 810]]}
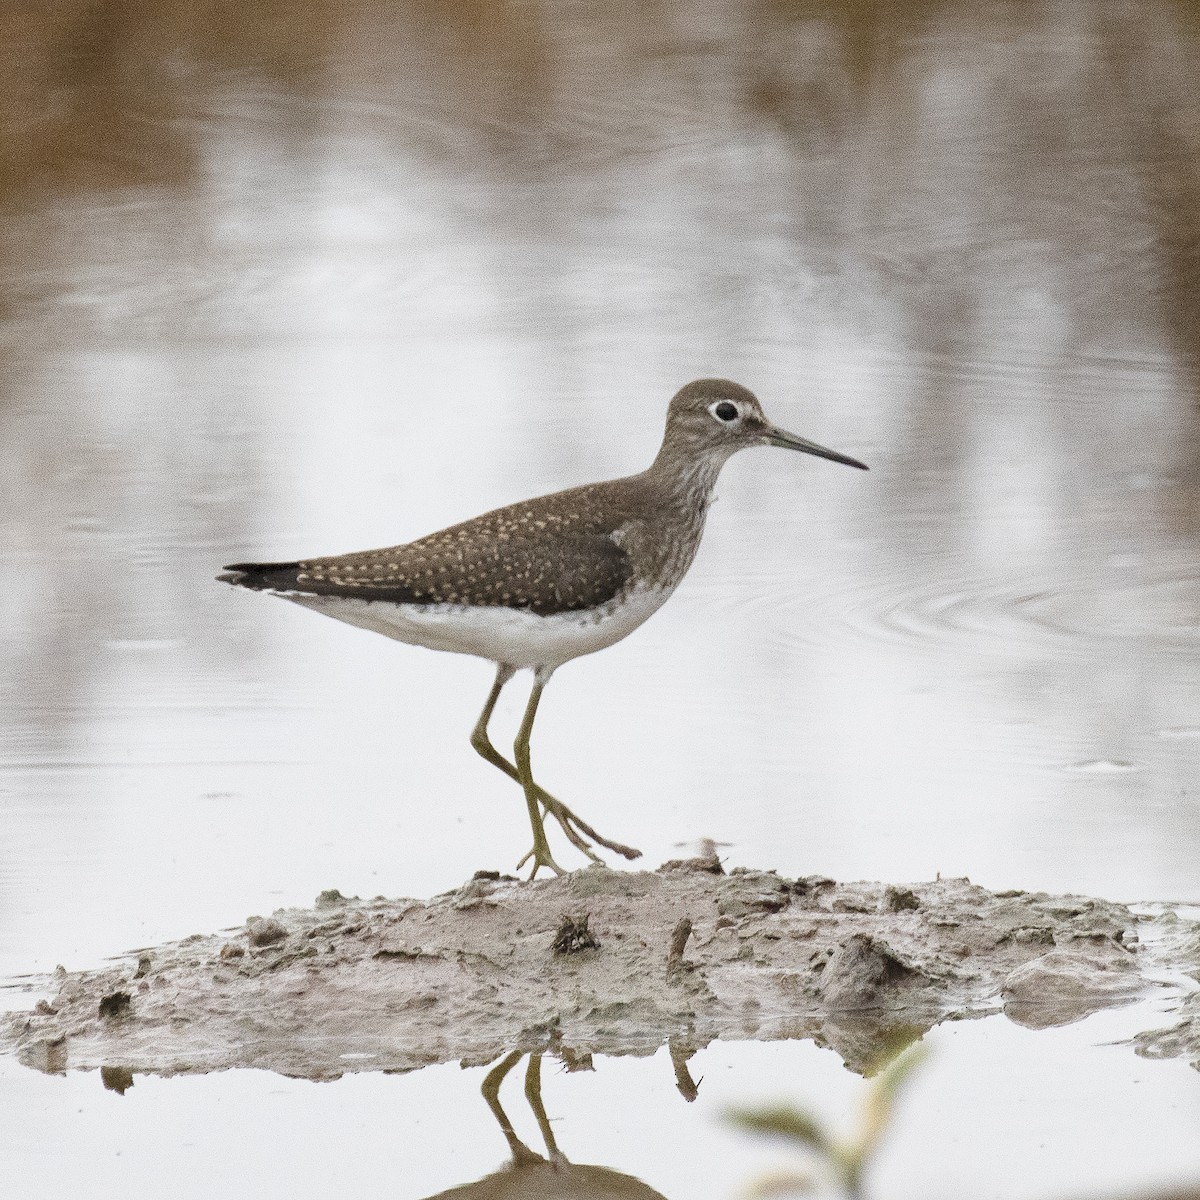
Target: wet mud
{"points": [[608, 962], [1177, 949]]}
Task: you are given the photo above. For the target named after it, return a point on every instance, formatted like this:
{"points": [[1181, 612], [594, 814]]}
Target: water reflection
{"points": [[848, 1128], [531, 1176]]}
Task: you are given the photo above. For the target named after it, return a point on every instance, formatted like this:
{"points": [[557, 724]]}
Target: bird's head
{"points": [[714, 418]]}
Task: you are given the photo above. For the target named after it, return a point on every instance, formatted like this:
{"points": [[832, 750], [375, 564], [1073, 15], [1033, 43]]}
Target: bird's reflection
{"points": [[532, 1176]]}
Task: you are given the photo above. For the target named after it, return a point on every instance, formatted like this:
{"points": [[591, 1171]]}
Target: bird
{"points": [[540, 582]]}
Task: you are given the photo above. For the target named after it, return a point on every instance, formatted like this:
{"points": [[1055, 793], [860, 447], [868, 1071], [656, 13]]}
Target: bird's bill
{"points": [[789, 441]]}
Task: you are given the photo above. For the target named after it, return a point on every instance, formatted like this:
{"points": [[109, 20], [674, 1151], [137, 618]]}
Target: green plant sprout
{"points": [[844, 1160]]}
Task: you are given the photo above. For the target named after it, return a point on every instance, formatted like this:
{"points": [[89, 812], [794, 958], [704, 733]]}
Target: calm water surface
{"points": [[996, 1111], [338, 277]]}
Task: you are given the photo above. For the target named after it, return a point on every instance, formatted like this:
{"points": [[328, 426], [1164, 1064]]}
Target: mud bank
{"points": [[597, 962], [1176, 947]]}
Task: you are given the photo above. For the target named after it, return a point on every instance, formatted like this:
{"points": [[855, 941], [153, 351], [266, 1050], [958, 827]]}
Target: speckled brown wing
{"points": [[532, 556]]}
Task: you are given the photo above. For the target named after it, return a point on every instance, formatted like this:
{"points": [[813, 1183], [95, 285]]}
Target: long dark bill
{"points": [[789, 441]]}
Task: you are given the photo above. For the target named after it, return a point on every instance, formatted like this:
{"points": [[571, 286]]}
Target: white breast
{"points": [[504, 635]]}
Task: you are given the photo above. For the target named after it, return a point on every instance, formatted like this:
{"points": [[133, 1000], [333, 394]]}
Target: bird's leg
{"points": [[521, 1153], [575, 829], [479, 735], [533, 1093], [483, 746], [541, 848]]}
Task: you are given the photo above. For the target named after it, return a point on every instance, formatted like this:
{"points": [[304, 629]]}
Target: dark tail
{"points": [[259, 577]]}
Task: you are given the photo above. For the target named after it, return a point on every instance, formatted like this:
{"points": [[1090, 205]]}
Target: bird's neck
{"points": [[675, 492], [687, 479]]}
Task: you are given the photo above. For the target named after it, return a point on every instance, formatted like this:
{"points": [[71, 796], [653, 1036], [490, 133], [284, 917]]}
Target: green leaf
{"points": [[880, 1104], [784, 1121]]}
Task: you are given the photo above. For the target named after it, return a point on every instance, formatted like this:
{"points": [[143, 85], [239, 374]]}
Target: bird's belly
{"points": [[505, 635]]}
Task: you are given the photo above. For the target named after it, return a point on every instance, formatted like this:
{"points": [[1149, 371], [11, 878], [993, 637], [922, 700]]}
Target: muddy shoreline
{"points": [[608, 962]]}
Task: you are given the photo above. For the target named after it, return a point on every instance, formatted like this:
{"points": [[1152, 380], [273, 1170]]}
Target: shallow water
{"points": [[335, 278], [995, 1111]]}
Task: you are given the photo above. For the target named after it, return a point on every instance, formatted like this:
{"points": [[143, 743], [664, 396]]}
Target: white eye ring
{"points": [[725, 411]]}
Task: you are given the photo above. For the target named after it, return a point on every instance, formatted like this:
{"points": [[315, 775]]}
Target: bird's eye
{"points": [[725, 411]]}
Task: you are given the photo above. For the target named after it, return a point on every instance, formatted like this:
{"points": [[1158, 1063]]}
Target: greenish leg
{"points": [[541, 848], [575, 829], [533, 1093], [479, 735], [483, 745], [522, 1155]]}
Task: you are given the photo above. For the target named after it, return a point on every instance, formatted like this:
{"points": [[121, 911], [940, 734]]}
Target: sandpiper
{"points": [[538, 583]]}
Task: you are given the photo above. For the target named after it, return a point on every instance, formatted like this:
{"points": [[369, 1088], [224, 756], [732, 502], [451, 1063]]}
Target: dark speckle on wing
{"points": [[550, 555]]}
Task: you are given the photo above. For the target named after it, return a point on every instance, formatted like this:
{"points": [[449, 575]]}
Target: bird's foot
{"points": [[578, 832], [541, 858]]}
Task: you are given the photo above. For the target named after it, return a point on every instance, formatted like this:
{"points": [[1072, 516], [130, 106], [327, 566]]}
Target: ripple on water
{"points": [[1061, 616], [1101, 766]]}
